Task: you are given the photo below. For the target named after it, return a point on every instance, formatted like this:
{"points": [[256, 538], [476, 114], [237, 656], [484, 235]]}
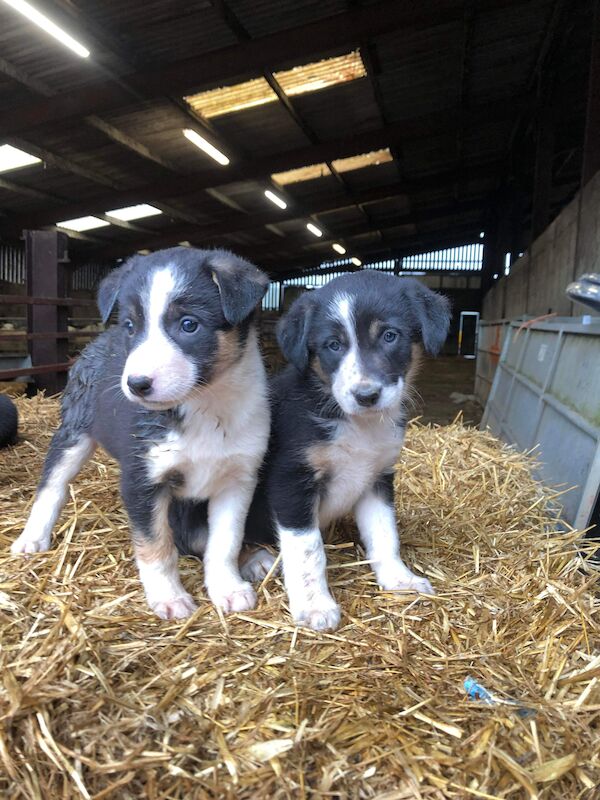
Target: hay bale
{"points": [[13, 388], [103, 700]]}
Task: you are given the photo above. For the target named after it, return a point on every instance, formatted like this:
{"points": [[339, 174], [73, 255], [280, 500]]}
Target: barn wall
{"points": [[588, 245], [569, 247], [516, 289]]}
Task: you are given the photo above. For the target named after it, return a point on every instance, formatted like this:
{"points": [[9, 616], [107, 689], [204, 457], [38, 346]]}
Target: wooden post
{"points": [[46, 254], [591, 146], [492, 258], [497, 241], [542, 181], [518, 241]]}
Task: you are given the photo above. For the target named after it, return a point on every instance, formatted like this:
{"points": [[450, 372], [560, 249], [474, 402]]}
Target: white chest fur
{"points": [[223, 434], [360, 451]]}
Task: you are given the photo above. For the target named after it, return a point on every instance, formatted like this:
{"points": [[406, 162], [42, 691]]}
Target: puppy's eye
{"points": [[334, 344], [188, 325], [129, 327], [390, 336]]}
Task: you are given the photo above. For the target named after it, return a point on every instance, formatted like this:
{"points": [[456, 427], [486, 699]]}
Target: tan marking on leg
{"points": [[157, 564], [161, 546], [319, 457], [323, 458]]}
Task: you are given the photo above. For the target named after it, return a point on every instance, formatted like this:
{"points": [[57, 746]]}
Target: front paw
{"points": [[237, 597], [174, 608], [321, 614], [401, 579], [30, 543]]}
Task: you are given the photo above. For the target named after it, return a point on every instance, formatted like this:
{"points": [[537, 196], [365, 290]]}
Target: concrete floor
{"points": [[440, 378]]}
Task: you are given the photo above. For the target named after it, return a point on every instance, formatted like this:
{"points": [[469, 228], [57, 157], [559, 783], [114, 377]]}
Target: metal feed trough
{"points": [[546, 394]]}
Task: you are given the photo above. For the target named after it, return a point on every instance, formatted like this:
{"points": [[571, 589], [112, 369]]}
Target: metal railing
{"points": [[27, 335], [12, 270]]}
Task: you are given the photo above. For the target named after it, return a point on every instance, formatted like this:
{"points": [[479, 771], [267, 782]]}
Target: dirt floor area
{"points": [[444, 388]]}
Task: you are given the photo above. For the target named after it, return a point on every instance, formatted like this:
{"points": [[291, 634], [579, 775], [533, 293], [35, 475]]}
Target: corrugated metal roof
{"points": [[393, 205], [309, 173], [420, 71], [158, 30], [310, 192], [260, 131], [261, 17], [341, 165], [417, 71], [342, 216], [33, 52], [318, 75], [353, 105], [381, 175], [228, 99], [299, 80]]}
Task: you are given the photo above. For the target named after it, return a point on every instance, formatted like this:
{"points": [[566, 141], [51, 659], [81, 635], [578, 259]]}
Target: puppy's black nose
{"points": [[367, 394], [140, 384]]}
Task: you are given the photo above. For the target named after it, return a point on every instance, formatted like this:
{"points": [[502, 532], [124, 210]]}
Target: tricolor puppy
{"points": [[338, 420], [177, 393]]}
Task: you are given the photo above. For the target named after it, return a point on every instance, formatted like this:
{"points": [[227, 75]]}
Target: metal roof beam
{"points": [[262, 168], [215, 234]]}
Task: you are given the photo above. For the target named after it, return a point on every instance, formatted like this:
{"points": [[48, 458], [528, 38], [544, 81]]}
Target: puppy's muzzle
{"points": [[139, 385], [367, 394]]}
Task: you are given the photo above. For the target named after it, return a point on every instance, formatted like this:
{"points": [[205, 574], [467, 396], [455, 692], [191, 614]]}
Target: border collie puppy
{"points": [[177, 393], [338, 420]]}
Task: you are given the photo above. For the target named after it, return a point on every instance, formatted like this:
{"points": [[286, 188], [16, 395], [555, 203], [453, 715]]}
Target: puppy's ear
{"points": [[433, 315], [241, 285], [292, 331], [109, 289]]}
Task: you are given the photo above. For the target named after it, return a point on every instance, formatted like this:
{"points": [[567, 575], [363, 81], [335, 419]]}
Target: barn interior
{"points": [[437, 139], [455, 141]]}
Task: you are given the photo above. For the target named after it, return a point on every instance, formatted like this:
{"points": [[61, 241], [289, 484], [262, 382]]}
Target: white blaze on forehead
{"points": [[349, 372], [342, 310], [159, 297], [172, 372]]}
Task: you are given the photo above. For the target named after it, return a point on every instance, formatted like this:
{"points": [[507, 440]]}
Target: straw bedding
{"points": [[102, 700]]}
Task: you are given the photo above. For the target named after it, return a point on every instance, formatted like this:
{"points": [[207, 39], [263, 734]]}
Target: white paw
{"points": [[403, 580], [319, 616], [257, 565], [174, 608], [29, 544], [240, 597]]}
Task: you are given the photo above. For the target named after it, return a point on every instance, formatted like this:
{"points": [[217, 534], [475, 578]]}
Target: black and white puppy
{"points": [[338, 420], [177, 393]]}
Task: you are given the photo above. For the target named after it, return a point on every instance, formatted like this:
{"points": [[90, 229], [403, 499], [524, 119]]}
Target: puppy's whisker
{"points": [[412, 399], [112, 388]]}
